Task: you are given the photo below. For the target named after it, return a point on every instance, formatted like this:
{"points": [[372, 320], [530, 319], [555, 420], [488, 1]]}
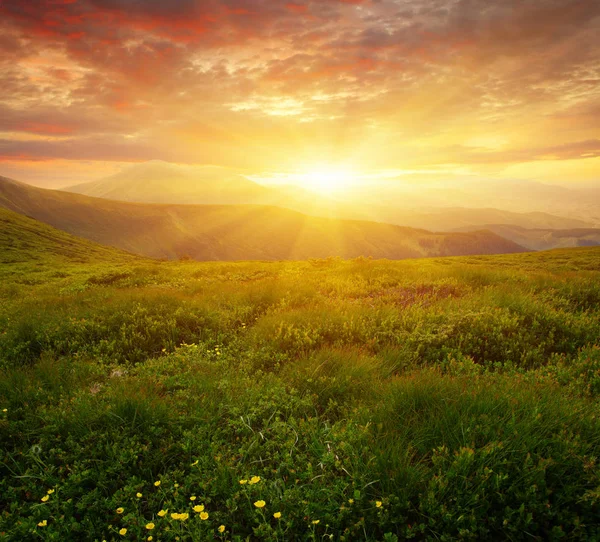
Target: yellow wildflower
{"points": [[260, 504], [150, 526], [277, 515], [199, 508], [162, 513], [5, 410], [351, 501], [378, 504], [221, 528], [149, 538], [254, 480], [193, 498], [43, 523], [120, 510], [157, 483], [45, 498], [195, 463], [123, 531], [183, 517], [316, 521], [138, 495], [204, 516], [50, 491], [243, 482]]}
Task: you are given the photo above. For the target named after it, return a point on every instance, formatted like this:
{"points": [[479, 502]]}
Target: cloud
{"points": [[568, 151], [389, 74]]}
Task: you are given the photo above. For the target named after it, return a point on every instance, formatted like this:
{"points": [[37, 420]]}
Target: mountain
{"points": [[235, 232], [23, 239], [422, 194], [161, 182], [543, 239], [450, 219], [431, 205]]}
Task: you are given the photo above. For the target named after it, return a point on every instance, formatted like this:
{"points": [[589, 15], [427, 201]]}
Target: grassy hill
{"points": [[234, 232], [445, 398], [24, 240]]}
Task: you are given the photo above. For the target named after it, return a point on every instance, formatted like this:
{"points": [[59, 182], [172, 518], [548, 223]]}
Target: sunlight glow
{"points": [[326, 181]]}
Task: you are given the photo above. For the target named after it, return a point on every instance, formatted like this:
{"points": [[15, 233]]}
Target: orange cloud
{"points": [[297, 8], [42, 128], [261, 79]]}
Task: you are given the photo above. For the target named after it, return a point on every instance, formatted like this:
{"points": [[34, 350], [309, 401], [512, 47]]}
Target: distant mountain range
{"points": [[433, 206], [423, 194], [160, 182], [234, 232], [543, 239], [453, 218]]}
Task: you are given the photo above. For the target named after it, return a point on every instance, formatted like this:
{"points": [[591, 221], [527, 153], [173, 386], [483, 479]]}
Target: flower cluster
{"points": [[199, 511]]}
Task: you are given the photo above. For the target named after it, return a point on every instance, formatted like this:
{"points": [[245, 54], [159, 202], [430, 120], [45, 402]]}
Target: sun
{"points": [[326, 181]]}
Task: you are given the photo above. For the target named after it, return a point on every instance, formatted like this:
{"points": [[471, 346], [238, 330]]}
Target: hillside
{"points": [[543, 239], [451, 219], [24, 240], [234, 232]]}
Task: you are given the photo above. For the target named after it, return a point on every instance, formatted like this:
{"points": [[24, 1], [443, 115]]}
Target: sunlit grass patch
{"points": [[359, 400]]}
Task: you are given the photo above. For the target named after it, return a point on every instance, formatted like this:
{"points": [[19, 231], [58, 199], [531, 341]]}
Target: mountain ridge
{"points": [[235, 232], [543, 239], [163, 182]]}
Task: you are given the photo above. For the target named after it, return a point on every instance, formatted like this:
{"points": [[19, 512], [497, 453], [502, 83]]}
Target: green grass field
{"points": [[441, 399]]}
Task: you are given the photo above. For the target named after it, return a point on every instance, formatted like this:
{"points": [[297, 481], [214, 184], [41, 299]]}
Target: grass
{"points": [[441, 399]]}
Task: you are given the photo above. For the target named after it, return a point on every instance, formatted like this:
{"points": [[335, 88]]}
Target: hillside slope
{"points": [[543, 238], [23, 239], [453, 218], [235, 232]]}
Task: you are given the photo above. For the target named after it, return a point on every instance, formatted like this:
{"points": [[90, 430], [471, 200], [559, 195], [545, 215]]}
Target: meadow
{"points": [[437, 399]]}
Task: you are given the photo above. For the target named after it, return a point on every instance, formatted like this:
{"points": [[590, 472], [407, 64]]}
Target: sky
{"points": [[490, 88]]}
